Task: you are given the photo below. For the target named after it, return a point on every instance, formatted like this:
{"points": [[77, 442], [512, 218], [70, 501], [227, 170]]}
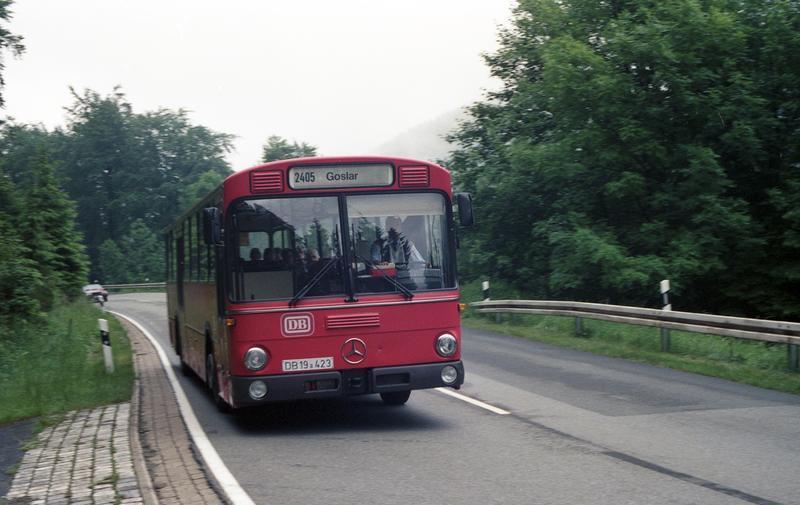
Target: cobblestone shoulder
{"points": [[90, 457], [86, 459]]}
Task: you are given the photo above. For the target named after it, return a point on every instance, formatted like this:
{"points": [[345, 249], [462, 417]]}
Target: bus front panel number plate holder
{"points": [[307, 364]]}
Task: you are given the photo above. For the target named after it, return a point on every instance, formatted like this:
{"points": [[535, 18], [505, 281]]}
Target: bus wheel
{"points": [[213, 386], [395, 397]]}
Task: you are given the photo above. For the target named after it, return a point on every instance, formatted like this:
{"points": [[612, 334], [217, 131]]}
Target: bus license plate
{"points": [[300, 365]]}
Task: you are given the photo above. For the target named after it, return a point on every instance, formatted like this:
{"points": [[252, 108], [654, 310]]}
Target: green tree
{"points": [[144, 253], [8, 41], [278, 148], [98, 165], [20, 281], [634, 141], [120, 166], [21, 145], [46, 226], [113, 264], [204, 184], [182, 153]]}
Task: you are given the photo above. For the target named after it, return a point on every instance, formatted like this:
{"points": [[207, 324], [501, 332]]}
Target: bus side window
{"points": [[187, 252], [200, 246]]}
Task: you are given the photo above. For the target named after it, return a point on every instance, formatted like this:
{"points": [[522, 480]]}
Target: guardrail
{"points": [[783, 332], [143, 285]]}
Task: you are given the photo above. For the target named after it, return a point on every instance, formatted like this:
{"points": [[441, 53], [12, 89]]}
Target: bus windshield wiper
{"points": [[313, 282], [394, 282]]}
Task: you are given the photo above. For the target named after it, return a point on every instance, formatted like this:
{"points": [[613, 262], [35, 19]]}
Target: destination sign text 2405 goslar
{"points": [[340, 176]]}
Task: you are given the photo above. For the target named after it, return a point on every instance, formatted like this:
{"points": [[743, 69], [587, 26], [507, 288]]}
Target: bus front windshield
{"points": [[398, 243], [281, 244], [400, 236]]}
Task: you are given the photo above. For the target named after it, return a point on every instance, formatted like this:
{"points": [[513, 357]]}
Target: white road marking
{"points": [[473, 401], [230, 486]]}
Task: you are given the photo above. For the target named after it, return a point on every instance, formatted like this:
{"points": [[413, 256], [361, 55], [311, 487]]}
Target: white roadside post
{"points": [[104, 337], [486, 298], [667, 306], [485, 289]]}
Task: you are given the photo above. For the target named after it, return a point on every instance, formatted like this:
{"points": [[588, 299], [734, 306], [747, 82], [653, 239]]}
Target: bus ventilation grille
{"points": [[266, 182], [352, 321], [415, 176]]}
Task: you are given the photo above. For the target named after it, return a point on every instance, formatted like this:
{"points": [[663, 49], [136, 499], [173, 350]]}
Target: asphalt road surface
{"points": [[582, 429]]}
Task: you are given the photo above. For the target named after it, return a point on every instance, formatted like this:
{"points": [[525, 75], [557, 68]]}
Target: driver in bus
{"points": [[395, 247]]}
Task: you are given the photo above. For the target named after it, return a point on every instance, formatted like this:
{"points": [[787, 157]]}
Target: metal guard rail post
{"points": [[783, 332]]}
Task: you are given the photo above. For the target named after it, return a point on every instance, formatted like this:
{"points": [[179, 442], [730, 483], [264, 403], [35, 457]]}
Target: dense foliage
{"points": [[639, 140], [122, 168], [41, 255], [278, 148], [129, 175]]}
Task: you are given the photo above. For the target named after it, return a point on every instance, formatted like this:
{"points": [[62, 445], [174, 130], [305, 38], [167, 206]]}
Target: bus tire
{"points": [[395, 397], [213, 386]]}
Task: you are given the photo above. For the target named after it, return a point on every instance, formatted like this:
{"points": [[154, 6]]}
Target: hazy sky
{"points": [[344, 75]]}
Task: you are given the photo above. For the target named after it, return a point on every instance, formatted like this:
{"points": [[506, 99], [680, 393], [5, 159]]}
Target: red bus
{"points": [[319, 277]]}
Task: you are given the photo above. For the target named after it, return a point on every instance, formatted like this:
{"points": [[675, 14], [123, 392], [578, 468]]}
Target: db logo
{"points": [[297, 325]]}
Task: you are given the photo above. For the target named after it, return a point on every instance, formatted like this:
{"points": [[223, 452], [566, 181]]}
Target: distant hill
{"points": [[425, 141]]}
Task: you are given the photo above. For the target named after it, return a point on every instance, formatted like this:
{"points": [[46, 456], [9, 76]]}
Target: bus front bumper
{"points": [[344, 383]]}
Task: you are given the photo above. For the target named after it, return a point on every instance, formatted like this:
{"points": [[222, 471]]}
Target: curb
{"points": [[139, 464]]}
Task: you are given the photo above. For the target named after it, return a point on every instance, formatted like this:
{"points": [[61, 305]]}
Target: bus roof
{"points": [[323, 160], [273, 177]]}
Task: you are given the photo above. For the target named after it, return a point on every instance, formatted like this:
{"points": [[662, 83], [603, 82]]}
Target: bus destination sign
{"points": [[341, 176]]}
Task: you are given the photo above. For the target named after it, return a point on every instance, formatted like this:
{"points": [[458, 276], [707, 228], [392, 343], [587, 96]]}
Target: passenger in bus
{"points": [[254, 264], [287, 258], [272, 259]]}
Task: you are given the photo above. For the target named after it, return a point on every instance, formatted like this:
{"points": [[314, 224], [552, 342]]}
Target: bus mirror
{"points": [[212, 226], [465, 216]]}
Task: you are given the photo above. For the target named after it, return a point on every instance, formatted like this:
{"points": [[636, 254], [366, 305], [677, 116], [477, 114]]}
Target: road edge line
{"points": [[225, 479], [473, 401]]}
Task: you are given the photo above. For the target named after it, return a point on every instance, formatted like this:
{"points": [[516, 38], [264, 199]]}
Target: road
{"points": [[582, 429]]}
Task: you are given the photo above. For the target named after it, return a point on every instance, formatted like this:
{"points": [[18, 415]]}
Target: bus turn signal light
{"points": [[230, 322], [462, 307]]}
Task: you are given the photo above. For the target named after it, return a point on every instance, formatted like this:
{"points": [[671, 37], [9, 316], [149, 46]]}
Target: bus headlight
{"points": [[446, 345], [255, 359], [449, 374], [258, 390]]}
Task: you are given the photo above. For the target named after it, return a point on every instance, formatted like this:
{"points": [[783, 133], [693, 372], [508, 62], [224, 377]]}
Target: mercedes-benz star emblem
{"points": [[354, 351]]}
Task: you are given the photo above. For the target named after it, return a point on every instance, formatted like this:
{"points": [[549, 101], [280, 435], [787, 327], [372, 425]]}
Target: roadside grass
{"points": [[760, 364], [57, 365]]}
